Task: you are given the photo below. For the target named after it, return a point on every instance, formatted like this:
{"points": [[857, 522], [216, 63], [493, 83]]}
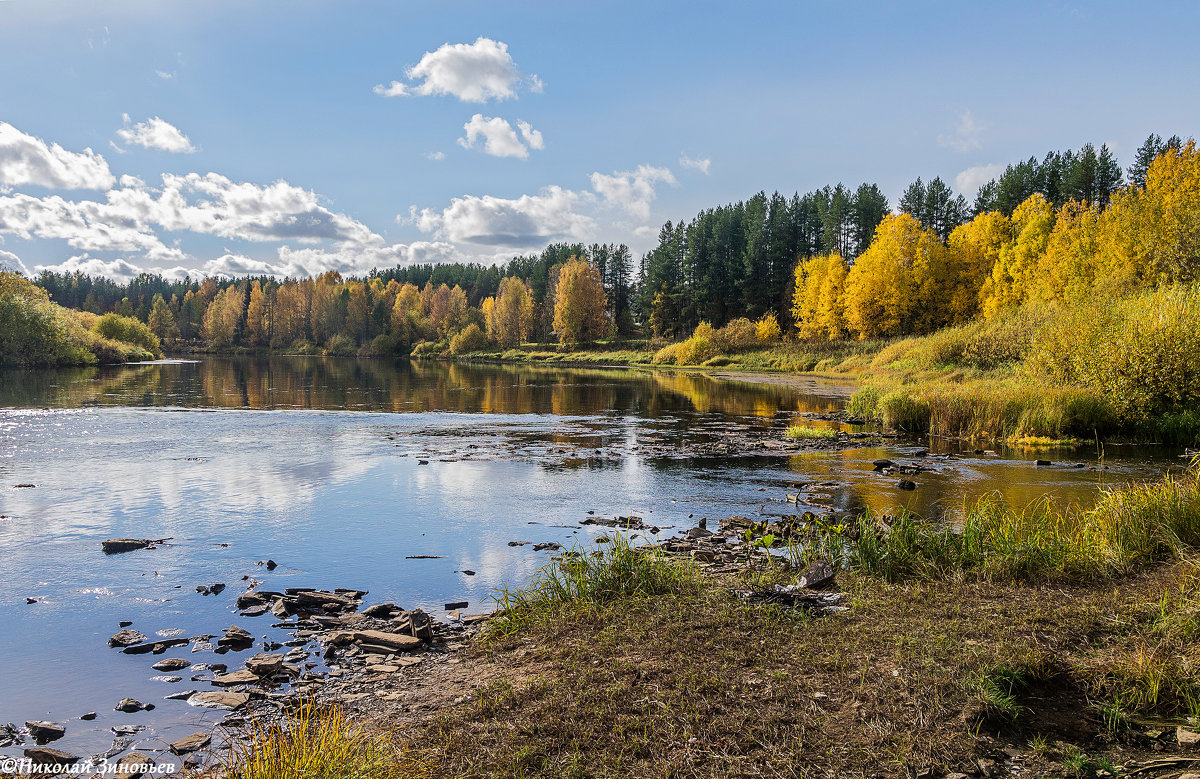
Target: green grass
{"points": [[586, 579], [1126, 530], [809, 432]]}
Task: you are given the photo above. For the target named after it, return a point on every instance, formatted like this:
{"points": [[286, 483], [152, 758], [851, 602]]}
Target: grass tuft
{"points": [[809, 432]]}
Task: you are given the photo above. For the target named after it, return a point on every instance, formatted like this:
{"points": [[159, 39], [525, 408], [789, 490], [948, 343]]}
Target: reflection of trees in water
{"points": [[381, 385]]}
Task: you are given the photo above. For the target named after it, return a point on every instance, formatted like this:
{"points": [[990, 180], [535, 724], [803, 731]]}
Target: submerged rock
{"points": [[190, 743], [44, 732], [119, 545]]}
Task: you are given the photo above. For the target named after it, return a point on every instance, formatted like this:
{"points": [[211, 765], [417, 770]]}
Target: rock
{"points": [[1186, 738], [135, 764], [879, 465], [396, 642], [270, 565], [235, 678], [127, 730], [179, 696], [47, 756], [458, 604], [905, 484], [126, 638], [130, 705], [211, 589], [124, 623], [88, 717], [171, 664], [264, 664], [119, 545], [704, 555], [255, 611], [44, 732], [382, 668], [250, 598], [218, 699], [817, 575], [549, 545], [1042, 462], [190, 743], [236, 638], [380, 610]]}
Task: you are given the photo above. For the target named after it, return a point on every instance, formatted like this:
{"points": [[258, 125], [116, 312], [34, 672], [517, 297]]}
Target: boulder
{"points": [[44, 732], [129, 706], [228, 701], [126, 638], [190, 743], [817, 575]]}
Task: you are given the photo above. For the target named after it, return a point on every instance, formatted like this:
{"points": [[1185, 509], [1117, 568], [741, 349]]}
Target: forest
{"points": [[832, 264]]}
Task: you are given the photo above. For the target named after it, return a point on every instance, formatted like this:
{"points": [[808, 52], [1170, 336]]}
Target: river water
{"points": [[392, 478]]}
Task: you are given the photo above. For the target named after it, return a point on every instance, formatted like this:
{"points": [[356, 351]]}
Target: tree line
{"points": [[830, 263]]}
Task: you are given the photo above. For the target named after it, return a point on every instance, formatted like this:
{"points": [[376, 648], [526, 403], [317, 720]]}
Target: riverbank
{"points": [[707, 657]]}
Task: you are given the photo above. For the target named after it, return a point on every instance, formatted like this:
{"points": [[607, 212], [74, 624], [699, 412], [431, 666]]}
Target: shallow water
{"points": [[317, 464]]}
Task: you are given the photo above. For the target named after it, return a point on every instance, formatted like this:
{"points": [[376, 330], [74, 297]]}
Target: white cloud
{"points": [[970, 180], [499, 137], [26, 160], [11, 263], [155, 133], [472, 72], [528, 221], [701, 164], [532, 137], [436, 155], [117, 270], [966, 134], [164, 75], [631, 191]]}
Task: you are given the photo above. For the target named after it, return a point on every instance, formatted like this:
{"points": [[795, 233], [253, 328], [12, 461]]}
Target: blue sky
{"points": [[232, 137]]}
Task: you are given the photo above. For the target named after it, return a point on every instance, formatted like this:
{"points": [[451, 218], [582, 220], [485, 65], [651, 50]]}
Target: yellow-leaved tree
{"points": [[510, 320], [580, 304], [1018, 271], [894, 286], [972, 251], [817, 304]]}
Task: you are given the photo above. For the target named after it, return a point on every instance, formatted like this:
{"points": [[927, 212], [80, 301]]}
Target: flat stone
{"points": [[229, 701], [255, 611], [43, 731], [191, 743], [394, 641], [236, 678], [818, 574], [183, 695], [382, 668], [91, 715], [47, 756], [126, 638], [119, 545], [1186, 738], [380, 610], [135, 764], [171, 664], [264, 664]]}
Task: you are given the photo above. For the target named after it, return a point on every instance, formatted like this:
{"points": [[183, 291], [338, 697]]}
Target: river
{"points": [[398, 479]]}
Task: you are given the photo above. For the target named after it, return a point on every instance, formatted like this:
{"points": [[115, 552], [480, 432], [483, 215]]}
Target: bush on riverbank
{"points": [[1129, 365], [35, 332]]}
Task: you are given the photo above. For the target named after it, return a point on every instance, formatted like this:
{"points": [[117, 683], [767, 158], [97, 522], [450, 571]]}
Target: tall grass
{"points": [[583, 580], [1127, 528], [316, 742]]}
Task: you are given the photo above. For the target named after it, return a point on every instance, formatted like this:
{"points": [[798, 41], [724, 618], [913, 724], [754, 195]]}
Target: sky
{"points": [[234, 137]]}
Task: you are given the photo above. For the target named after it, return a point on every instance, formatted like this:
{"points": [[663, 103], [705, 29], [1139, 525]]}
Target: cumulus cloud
{"points": [[631, 191], [499, 138], [970, 180], [524, 222], [117, 270], [472, 72], [11, 263], [155, 133], [965, 137], [701, 164], [436, 155], [26, 160]]}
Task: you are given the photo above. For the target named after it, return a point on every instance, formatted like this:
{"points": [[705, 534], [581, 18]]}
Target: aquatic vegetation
{"points": [[810, 432]]}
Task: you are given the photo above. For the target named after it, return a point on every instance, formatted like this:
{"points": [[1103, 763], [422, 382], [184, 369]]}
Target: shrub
{"points": [[129, 330], [470, 339], [667, 354], [379, 346], [737, 336], [428, 349], [766, 330], [340, 346], [34, 331]]}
